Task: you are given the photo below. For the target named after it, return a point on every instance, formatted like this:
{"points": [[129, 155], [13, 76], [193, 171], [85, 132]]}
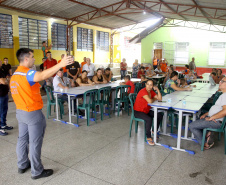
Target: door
{"points": [[158, 53]]}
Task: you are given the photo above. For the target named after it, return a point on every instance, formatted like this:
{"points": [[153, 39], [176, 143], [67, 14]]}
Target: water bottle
{"points": [[184, 103], [169, 100]]}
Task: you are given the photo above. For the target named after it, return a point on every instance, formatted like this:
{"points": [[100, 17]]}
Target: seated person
{"points": [[98, 78], [211, 119], [219, 75], [214, 70], [163, 65], [186, 71], [108, 74], [183, 83], [150, 72], [142, 109], [190, 76], [213, 78], [83, 80], [172, 67], [141, 72], [41, 66], [128, 82], [171, 83], [61, 82], [167, 76], [158, 70], [143, 78]]}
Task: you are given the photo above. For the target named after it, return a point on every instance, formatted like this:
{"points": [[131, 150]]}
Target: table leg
{"points": [[69, 112], [186, 127], [69, 108], [155, 124], [165, 122], [113, 95], [179, 129], [57, 113], [194, 119], [73, 111]]}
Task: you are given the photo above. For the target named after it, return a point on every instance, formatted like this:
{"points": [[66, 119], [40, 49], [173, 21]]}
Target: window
{"points": [[6, 31], [181, 55], [84, 39], [59, 37], [217, 53], [158, 45], [102, 41], [32, 33]]}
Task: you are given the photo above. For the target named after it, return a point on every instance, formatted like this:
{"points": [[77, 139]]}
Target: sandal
{"points": [[152, 134], [209, 146], [209, 138], [150, 142]]}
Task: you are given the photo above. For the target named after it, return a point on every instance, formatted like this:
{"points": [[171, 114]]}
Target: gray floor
{"points": [[103, 153]]}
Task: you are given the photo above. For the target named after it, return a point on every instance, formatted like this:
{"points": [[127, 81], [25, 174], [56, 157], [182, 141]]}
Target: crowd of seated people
{"points": [[174, 83], [216, 76]]}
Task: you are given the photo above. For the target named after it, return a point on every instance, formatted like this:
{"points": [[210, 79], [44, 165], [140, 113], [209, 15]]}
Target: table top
{"points": [[182, 93], [195, 99], [75, 91], [165, 104], [188, 107]]}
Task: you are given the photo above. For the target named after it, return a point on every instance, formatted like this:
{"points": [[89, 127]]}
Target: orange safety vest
{"points": [[26, 97], [155, 62]]}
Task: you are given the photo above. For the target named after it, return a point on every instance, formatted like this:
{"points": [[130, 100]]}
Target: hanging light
{"points": [[144, 12]]}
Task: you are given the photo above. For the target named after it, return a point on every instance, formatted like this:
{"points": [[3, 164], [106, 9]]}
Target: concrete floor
{"points": [[103, 153]]}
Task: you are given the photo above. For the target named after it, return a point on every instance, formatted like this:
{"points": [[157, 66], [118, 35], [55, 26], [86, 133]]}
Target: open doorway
{"points": [[157, 50], [158, 53]]}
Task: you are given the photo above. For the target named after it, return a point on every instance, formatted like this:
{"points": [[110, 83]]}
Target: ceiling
{"points": [[115, 14]]}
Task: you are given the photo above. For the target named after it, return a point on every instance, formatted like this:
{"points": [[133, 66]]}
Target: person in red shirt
{"points": [[50, 62], [130, 83], [142, 109], [123, 66], [141, 72]]}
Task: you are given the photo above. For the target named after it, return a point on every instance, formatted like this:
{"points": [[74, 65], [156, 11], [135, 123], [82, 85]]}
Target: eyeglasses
{"points": [[222, 81]]}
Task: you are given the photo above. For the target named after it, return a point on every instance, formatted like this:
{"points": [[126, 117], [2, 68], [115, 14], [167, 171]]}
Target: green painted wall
{"points": [[198, 42]]}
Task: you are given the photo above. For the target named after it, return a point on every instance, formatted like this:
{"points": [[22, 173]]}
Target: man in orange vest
{"points": [[82, 64], [25, 91]]}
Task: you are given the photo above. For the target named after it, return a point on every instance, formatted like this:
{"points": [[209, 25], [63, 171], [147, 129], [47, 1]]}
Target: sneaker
{"points": [[3, 133], [21, 171], [45, 173], [6, 127]]}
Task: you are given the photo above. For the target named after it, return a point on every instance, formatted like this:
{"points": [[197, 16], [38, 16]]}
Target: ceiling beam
{"points": [[202, 11], [102, 9], [92, 24], [171, 9], [128, 2], [2, 1], [148, 9], [32, 12]]}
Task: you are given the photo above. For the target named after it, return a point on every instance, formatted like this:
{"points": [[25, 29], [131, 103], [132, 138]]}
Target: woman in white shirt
{"points": [[90, 68]]}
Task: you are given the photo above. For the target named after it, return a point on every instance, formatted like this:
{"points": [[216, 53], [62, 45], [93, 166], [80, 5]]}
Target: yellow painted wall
{"points": [[95, 56], [116, 48]]}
